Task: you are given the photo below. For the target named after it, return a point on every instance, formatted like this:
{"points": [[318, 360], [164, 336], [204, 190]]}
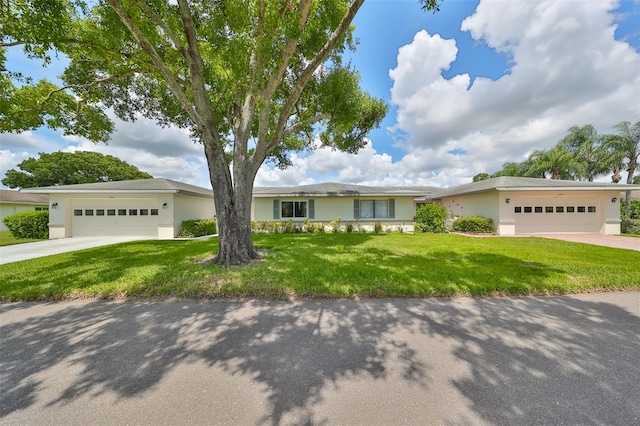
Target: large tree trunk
{"points": [[233, 210]]}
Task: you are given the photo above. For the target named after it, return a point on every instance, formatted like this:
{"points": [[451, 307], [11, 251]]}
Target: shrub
{"points": [[631, 210], [377, 227], [198, 228], [473, 225], [31, 224], [630, 226], [335, 224], [349, 228], [431, 217]]}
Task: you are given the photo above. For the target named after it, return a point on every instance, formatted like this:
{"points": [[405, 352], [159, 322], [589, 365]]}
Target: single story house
{"points": [[12, 202], [520, 205], [393, 206], [516, 205], [153, 208]]}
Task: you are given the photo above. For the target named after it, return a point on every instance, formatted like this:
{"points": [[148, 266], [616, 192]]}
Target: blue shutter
{"points": [[276, 209], [392, 208], [356, 209], [312, 209]]}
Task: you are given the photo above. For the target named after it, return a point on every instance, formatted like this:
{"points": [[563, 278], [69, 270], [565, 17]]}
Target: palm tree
{"points": [[589, 149], [557, 163], [625, 149]]}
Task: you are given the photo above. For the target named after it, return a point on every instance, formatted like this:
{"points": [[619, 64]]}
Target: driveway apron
{"points": [[18, 252]]}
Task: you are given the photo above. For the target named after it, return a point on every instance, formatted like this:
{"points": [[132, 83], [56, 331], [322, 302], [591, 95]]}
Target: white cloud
{"points": [[24, 140], [567, 70]]}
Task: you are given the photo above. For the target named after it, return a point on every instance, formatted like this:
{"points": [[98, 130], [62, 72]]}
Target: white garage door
{"points": [[559, 215], [115, 217]]}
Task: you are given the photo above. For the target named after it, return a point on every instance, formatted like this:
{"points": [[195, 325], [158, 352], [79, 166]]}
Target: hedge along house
{"points": [[393, 206], [153, 208], [537, 206], [12, 202]]}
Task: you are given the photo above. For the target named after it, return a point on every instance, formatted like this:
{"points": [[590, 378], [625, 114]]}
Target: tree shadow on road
{"points": [[528, 360]]}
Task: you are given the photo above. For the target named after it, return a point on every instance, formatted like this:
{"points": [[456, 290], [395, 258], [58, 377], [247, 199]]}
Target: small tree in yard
{"points": [[431, 217], [251, 79]]}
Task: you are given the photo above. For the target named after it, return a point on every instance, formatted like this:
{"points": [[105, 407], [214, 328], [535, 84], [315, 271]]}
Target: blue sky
{"points": [[473, 86]]}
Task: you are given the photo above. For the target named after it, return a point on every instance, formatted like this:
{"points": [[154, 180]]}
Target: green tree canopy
{"points": [[481, 176], [251, 79], [625, 148], [68, 168]]}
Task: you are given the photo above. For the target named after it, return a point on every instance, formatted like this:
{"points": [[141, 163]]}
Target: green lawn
{"points": [[6, 239], [328, 265]]}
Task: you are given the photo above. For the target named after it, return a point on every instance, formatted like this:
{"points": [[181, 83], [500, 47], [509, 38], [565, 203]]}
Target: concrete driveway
{"points": [[615, 241], [26, 251], [491, 361]]}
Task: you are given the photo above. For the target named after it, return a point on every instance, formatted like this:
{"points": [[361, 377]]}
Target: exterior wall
{"points": [[328, 209], [486, 204], [9, 209], [188, 207], [500, 206]]}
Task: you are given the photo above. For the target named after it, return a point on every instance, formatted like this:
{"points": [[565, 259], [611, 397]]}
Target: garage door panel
{"points": [[566, 215], [115, 217]]}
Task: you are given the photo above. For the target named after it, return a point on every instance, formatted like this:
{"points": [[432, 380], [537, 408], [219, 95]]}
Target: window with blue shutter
{"points": [[392, 208], [356, 209], [276, 209]]}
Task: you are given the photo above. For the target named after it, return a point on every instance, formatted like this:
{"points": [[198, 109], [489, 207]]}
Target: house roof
{"points": [[17, 197], [333, 189], [157, 185], [509, 183]]}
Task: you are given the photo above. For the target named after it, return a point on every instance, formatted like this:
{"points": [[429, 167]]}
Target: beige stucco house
{"points": [[393, 206], [516, 205], [537, 206], [12, 202], [153, 208]]}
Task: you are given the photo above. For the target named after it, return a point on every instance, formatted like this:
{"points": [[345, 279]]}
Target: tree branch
{"points": [[79, 86], [270, 88], [302, 81], [194, 60], [158, 62], [178, 44]]}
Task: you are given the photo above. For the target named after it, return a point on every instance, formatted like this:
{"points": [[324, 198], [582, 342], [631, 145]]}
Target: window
{"points": [[293, 209], [582, 209], [559, 209], [99, 212], [374, 209], [591, 209], [548, 209], [538, 209], [39, 209], [154, 212], [122, 212], [88, 212], [571, 209], [133, 212], [528, 209], [111, 212], [518, 209], [77, 212], [144, 212]]}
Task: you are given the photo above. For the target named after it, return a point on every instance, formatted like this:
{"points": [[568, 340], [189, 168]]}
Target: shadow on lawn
{"points": [[526, 360], [137, 266]]}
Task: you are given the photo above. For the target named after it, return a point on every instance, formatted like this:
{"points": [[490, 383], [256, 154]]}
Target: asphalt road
{"points": [[509, 361]]}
